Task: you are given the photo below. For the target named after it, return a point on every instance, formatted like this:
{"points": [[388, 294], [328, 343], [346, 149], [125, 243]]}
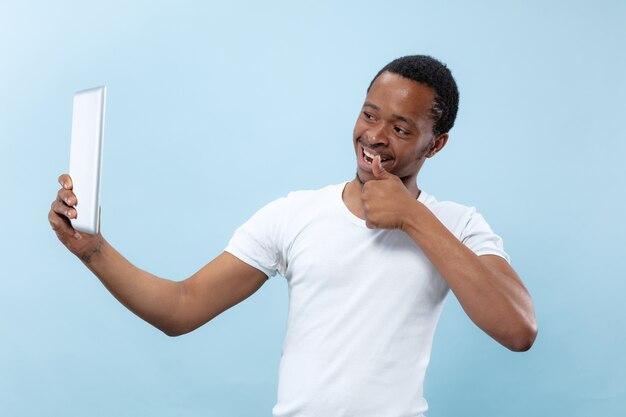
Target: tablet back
{"points": [[86, 157]]}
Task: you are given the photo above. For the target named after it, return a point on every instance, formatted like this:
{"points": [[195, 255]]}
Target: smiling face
{"points": [[396, 123]]}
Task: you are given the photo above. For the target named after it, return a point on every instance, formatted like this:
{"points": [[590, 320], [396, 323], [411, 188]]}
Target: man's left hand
{"points": [[386, 200]]}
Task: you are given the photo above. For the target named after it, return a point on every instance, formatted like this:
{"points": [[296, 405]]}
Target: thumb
{"points": [[378, 170]]}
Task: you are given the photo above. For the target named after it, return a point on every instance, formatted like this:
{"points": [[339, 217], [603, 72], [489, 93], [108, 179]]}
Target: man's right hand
{"points": [[175, 307], [62, 210]]}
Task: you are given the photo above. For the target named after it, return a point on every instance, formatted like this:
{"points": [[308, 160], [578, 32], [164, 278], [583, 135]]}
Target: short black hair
{"points": [[427, 70]]}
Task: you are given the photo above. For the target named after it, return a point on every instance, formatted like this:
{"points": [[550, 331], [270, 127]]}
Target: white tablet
{"points": [[86, 157]]}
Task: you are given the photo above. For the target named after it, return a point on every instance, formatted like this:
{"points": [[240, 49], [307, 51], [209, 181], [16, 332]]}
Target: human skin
{"points": [[395, 125], [174, 307], [382, 194]]}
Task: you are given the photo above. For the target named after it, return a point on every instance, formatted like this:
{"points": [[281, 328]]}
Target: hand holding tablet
{"points": [[86, 157], [75, 213]]}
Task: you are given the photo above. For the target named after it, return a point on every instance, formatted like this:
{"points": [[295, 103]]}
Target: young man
{"points": [[369, 263]]}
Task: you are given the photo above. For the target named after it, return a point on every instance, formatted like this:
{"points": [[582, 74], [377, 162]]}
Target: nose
{"points": [[377, 136]]}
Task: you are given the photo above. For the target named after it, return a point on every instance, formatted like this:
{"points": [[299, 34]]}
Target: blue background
{"points": [[216, 108]]}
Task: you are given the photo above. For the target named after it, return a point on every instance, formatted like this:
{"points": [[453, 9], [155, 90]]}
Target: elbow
{"points": [[524, 338], [179, 329], [176, 330], [177, 323], [184, 319], [173, 332], [170, 329]]}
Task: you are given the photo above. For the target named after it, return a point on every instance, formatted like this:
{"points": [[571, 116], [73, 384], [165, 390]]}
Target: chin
{"points": [[364, 177]]}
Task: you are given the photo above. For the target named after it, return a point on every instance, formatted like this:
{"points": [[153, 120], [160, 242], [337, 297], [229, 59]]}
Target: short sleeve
{"points": [[258, 242], [478, 236]]}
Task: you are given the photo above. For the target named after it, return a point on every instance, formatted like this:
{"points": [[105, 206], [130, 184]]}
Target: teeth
{"points": [[372, 155], [369, 155]]}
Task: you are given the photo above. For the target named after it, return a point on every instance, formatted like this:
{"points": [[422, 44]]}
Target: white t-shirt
{"points": [[363, 303]]}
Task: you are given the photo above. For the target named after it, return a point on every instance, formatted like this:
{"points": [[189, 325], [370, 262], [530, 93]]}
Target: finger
{"points": [[67, 197], [63, 209], [377, 168], [66, 181], [60, 224], [57, 222]]}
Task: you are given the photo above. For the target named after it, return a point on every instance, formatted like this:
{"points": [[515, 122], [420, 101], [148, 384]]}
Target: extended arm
{"points": [[173, 307]]}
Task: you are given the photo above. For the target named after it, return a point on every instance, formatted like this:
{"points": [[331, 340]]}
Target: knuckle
{"points": [[64, 195], [53, 221]]}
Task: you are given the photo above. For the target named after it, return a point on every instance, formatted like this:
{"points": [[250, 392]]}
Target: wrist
{"points": [[89, 253], [410, 218]]}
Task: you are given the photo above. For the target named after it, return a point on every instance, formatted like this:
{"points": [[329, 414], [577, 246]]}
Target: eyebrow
{"points": [[395, 116]]}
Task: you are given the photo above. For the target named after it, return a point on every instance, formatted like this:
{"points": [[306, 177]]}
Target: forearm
{"points": [[496, 301], [154, 299]]}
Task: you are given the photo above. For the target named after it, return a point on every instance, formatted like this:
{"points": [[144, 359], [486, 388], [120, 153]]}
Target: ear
{"points": [[437, 145]]}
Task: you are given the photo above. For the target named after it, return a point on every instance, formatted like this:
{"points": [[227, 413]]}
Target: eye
{"points": [[368, 116], [400, 131]]}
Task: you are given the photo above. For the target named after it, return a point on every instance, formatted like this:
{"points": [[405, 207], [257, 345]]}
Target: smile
{"points": [[368, 156]]}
